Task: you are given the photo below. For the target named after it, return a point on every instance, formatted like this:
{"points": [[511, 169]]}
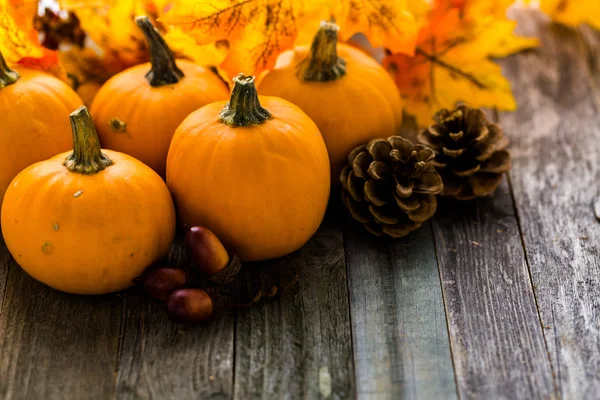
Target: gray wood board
{"points": [[401, 346], [298, 345], [497, 341], [556, 179], [54, 345]]}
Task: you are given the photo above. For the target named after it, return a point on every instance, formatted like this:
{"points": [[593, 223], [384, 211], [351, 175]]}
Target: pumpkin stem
{"points": [[7, 75], [87, 157], [164, 69], [323, 63], [244, 108]]}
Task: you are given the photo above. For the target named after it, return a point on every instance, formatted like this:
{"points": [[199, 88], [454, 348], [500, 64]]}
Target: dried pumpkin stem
{"points": [[7, 75], [87, 157], [244, 108], [164, 69], [323, 63]]}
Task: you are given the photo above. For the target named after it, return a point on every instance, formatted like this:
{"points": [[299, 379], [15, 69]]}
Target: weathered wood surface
{"points": [[161, 360], [556, 179], [299, 345], [54, 345], [401, 347], [499, 298], [497, 341]]}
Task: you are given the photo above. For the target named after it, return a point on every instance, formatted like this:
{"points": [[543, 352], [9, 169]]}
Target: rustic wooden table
{"points": [[498, 298]]}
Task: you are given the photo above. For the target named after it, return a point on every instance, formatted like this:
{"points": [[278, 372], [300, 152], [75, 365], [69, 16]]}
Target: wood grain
{"points": [[54, 345], [4, 267], [401, 346], [162, 360], [497, 341], [556, 146], [298, 345]]}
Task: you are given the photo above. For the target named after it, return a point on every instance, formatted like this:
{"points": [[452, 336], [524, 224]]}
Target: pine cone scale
{"points": [[470, 152], [390, 185]]}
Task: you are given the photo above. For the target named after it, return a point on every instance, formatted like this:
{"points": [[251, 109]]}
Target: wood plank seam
{"points": [[533, 287], [345, 254], [121, 337], [437, 257]]}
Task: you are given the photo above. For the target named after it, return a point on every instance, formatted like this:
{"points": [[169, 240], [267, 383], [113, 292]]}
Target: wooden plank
{"points": [[4, 266], [556, 145], [299, 345], [497, 341], [161, 360], [398, 321], [54, 345]]}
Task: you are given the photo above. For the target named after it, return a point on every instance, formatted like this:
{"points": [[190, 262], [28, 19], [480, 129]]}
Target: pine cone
{"points": [[390, 186], [470, 152]]}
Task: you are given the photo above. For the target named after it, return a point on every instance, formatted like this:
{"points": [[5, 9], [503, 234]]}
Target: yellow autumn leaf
{"points": [[475, 8], [259, 30], [184, 46], [452, 64], [116, 43], [573, 12], [386, 23]]}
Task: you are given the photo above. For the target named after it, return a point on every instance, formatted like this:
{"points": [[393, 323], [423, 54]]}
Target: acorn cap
{"points": [[227, 274]]}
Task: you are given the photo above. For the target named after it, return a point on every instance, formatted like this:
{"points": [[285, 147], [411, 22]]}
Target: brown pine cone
{"points": [[390, 186], [470, 152]]}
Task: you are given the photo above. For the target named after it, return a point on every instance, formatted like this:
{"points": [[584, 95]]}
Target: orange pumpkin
{"points": [[257, 177], [351, 98], [136, 112], [87, 222], [35, 119]]}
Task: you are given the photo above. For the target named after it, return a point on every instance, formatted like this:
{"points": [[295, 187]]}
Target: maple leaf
{"points": [[475, 8], [573, 12], [386, 23], [259, 30], [116, 43], [19, 42], [452, 64]]}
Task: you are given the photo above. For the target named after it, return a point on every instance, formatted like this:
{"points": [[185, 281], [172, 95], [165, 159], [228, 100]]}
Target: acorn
{"points": [[192, 306], [210, 256], [160, 282]]}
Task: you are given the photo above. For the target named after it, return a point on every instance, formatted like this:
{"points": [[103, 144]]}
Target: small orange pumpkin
{"points": [[257, 177], [35, 119], [136, 112], [351, 98], [87, 222]]}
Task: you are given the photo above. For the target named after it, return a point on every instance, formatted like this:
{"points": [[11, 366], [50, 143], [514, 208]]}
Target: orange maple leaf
{"points": [[110, 26], [386, 23], [259, 30], [452, 64], [19, 41]]}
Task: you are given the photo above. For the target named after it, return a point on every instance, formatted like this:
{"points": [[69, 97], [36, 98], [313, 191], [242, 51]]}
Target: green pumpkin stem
{"points": [[244, 108], [164, 69], [87, 157], [7, 75], [323, 63]]}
